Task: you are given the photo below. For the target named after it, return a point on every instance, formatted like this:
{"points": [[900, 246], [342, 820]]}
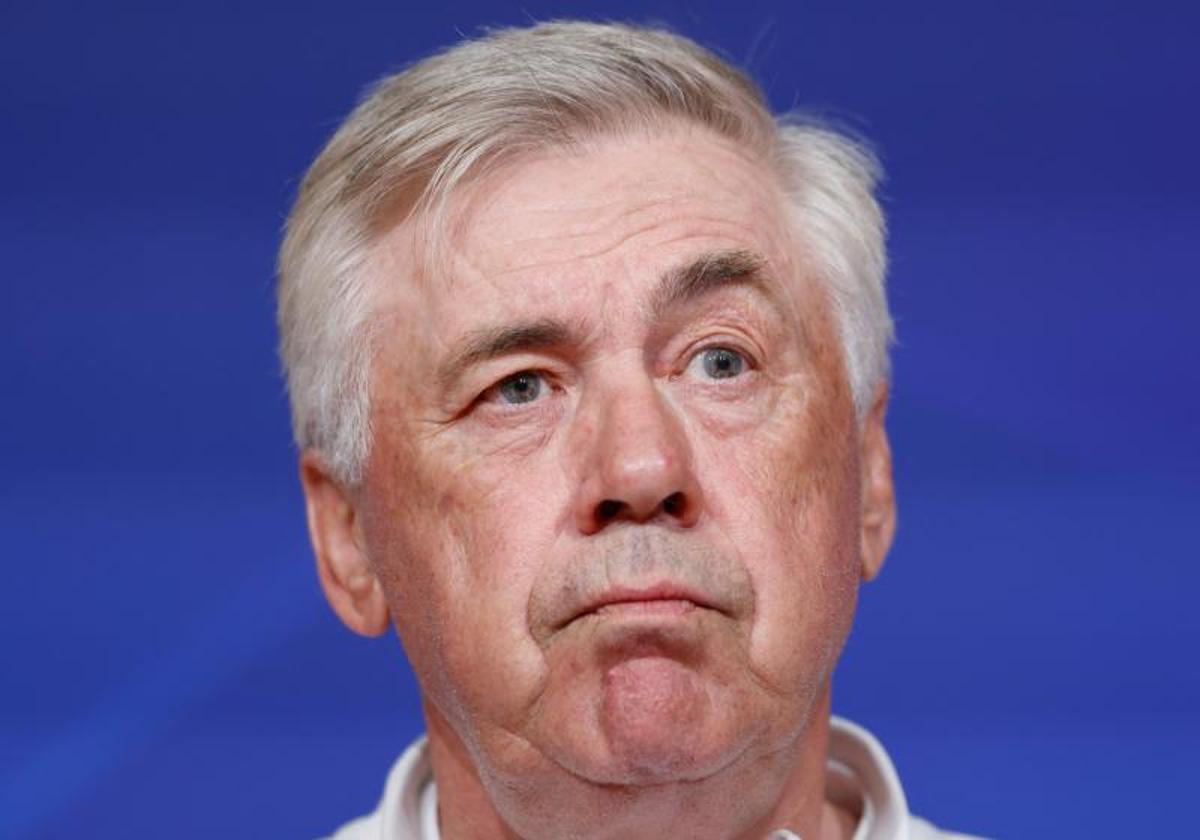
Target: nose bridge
{"points": [[642, 434], [639, 463]]}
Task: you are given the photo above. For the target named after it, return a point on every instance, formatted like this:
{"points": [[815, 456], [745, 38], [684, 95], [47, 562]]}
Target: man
{"points": [[587, 355]]}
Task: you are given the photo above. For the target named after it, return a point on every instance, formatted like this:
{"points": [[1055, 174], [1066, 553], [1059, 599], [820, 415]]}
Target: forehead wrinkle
{"points": [[562, 249], [600, 219]]}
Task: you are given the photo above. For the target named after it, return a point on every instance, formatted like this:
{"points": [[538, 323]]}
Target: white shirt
{"points": [[859, 777]]}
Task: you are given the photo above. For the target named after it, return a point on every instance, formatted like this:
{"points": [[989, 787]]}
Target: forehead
{"points": [[630, 193], [585, 223]]}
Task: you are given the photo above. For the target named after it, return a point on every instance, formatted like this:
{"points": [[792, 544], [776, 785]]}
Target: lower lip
{"points": [[657, 607]]}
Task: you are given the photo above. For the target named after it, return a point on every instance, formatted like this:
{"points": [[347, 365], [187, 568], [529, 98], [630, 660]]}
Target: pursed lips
{"points": [[661, 599]]}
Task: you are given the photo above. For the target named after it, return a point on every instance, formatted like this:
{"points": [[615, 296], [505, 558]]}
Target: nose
{"points": [[637, 463]]}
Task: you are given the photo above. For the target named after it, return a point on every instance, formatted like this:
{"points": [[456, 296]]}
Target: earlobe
{"points": [[347, 578], [878, 491]]}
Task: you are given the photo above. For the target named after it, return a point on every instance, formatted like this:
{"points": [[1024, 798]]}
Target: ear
{"points": [[878, 492], [334, 527]]}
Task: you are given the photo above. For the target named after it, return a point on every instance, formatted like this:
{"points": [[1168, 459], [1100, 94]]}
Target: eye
{"points": [[520, 388], [718, 363]]}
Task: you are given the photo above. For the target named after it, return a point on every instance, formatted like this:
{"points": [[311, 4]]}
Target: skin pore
{"points": [[618, 504]]}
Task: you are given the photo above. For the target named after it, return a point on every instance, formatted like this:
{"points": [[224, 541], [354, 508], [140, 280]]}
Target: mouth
{"points": [[664, 600]]}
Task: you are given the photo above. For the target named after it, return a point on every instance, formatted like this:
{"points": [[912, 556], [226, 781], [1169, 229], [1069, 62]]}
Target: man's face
{"points": [[613, 496]]}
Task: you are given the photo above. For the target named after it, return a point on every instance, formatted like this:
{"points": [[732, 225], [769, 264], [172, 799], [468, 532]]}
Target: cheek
{"points": [[788, 499], [461, 547]]}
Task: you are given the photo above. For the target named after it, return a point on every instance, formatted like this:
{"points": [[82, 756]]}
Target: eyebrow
{"points": [[706, 274], [492, 342], [701, 276]]}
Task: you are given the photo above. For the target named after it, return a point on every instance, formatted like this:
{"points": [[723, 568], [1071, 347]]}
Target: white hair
{"points": [[421, 132]]}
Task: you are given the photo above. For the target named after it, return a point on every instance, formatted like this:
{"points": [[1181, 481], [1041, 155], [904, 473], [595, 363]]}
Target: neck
{"points": [[748, 800]]}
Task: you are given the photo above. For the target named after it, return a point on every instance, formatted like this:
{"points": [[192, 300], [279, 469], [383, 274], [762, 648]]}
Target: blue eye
{"points": [[523, 387], [720, 362]]}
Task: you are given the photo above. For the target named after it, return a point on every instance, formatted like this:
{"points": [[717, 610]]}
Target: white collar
{"points": [[860, 777]]}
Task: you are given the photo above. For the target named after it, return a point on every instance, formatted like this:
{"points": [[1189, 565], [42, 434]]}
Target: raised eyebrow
{"points": [[492, 342], [706, 274]]}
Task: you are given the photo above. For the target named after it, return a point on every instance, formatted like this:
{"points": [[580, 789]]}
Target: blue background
{"points": [[167, 665]]}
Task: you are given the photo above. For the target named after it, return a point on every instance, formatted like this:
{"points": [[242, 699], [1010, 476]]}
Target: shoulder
{"points": [[363, 828], [919, 829], [406, 809]]}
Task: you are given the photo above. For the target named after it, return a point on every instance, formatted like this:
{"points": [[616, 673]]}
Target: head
{"points": [[587, 355]]}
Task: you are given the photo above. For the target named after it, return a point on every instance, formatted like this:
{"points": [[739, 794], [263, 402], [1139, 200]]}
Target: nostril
{"points": [[673, 504], [608, 509]]}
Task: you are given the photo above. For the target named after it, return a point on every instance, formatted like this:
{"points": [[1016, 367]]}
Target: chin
{"points": [[662, 721], [651, 720]]}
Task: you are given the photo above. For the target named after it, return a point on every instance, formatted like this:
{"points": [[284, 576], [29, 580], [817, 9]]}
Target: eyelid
{"points": [[488, 374], [489, 397], [492, 392], [743, 347], [697, 357]]}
